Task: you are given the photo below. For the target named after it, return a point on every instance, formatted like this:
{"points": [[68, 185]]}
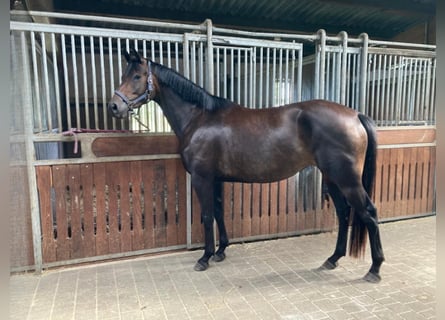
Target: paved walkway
{"points": [[263, 280]]}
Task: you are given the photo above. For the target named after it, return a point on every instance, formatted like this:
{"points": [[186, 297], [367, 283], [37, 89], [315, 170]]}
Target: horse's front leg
{"points": [[204, 187], [219, 217]]}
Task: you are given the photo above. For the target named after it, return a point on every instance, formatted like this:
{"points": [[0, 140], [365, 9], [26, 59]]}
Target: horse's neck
{"points": [[178, 112]]}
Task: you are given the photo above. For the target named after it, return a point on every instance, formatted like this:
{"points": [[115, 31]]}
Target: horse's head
{"points": [[136, 87]]}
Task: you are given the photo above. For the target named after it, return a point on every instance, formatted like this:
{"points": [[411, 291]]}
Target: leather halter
{"points": [[143, 97]]}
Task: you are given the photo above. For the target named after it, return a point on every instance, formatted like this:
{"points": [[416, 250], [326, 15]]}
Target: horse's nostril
{"points": [[112, 106]]}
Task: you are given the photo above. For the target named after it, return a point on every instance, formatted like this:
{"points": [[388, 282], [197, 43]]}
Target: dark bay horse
{"points": [[223, 141]]}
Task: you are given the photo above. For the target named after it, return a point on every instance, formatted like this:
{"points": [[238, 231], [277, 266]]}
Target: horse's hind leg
{"points": [[219, 217], [365, 210], [202, 186], [343, 210]]}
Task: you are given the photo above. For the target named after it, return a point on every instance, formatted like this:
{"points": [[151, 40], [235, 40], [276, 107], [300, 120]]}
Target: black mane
{"points": [[188, 90]]}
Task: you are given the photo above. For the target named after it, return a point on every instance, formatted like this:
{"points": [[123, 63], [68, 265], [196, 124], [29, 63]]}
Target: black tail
{"points": [[358, 232]]}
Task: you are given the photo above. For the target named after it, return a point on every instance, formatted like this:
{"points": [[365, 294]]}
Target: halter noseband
{"points": [[143, 97]]}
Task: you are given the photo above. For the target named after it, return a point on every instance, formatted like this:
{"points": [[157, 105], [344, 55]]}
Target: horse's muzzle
{"points": [[115, 111]]}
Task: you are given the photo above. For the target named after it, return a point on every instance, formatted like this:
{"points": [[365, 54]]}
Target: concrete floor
{"points": [[274, 279]]}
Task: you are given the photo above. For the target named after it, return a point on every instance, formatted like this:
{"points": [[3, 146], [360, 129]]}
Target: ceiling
{"points": [[381, 19]]}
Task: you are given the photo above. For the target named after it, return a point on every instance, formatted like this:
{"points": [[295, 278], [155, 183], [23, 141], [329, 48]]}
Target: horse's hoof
{"points": [[218, 257], [328, 265], [372, 277], [201, 266]]}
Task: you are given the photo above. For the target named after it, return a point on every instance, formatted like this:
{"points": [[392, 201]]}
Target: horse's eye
{"points": [[136, 77]]}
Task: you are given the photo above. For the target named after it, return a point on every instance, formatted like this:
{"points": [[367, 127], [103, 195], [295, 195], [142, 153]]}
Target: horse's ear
{"points": [[126, 55], [134, 55]]}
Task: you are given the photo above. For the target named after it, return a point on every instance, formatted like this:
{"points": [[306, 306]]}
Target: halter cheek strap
{"points": [[143, 97]]}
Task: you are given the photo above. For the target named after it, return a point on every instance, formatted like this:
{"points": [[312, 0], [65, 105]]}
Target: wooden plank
{"points": [[134, 145], [160, 230], [412, 182], [75, 213], [124, 206], [265, 207], [398, 188], [102, 234], [228, 208], [87, 182], [44, 186], [419, 180], [148, 213], [406, 136], [256, 198], [299, 195], [182, 202], [60, 187], [273, 208], [291, 208], [247, 210], [282, 201], [386, 208], [405, 185], [172, 227], [137, 241], [237, 205], [377, 197], [431, 181], [112, 181]]}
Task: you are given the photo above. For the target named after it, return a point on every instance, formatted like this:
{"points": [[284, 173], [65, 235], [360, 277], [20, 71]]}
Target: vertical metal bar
{"points": [[56, 82], [169, 59], [176, 56], [36, 84], [327, 76], [111, 70], [186, 67], [363, 74], [384, 106], [280, 77], [94, 83], [427, 91], [372, 105], [210, 71], [418, 73], [322, 34], [102, 74], [252, 62], [389, 80], [46, 83], [267, 102], [218, 74], [422, 79], [379, 81], [246, 78], [240, 62], [193, 62], [409, 96], [286, 76], [300, 74], [232, 74], [336, 77], [225, 76], [201, 64], [30, 157], [344, 76], [85, 82], [75, 80], [274, 77], [260, 88], [394, 87], [433, 94], [356, 83], [398, 111], [65, 78]]}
